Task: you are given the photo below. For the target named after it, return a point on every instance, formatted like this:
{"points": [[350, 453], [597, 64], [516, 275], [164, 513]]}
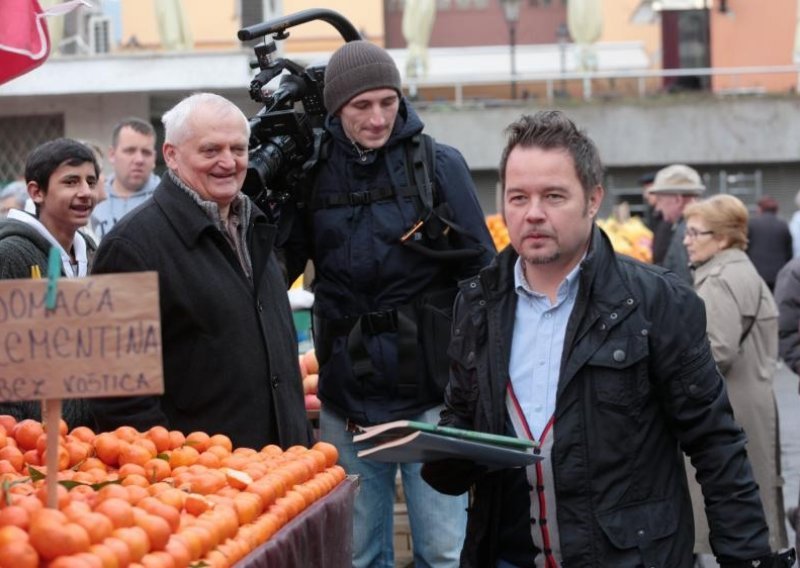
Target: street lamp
{"points": [[562, 35], [511, 13]]}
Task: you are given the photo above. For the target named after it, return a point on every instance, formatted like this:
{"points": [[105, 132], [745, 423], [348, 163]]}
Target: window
{"points": [[21, 134]]}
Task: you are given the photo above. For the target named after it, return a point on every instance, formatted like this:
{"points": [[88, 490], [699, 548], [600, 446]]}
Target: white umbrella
{"points": [[585, 22], [173, 27], [418, 18]]}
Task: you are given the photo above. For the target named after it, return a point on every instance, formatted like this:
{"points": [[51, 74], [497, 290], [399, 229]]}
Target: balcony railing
{"points": [[461, 90]]}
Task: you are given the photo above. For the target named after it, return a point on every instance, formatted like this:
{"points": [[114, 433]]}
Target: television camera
{"points": [[284, 137]]}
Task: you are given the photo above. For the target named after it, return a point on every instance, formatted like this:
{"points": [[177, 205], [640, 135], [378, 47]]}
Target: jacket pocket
{"points": [[619, 372], [641, 525]]}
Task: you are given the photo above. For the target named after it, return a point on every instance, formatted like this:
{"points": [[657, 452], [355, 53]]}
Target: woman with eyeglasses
{"points": [[742, 322]]}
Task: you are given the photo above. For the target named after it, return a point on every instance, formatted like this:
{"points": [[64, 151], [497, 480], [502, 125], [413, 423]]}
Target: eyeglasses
{"points": [[694, 233]]}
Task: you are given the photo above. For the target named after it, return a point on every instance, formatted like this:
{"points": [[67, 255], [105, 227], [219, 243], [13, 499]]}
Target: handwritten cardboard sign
{"points": [[103, 338]]}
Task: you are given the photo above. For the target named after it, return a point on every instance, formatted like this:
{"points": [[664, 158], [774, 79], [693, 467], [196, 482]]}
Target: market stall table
{"points": [[321, 536]]}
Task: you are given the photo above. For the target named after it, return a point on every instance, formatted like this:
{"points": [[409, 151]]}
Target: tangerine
{"points": [[107, 448], [156, 469], [198, 440], [15, 515], [179, 550], [120, 511], [13, 455], [120, 549], [26, 432], [185, 455], [158, 530], [176, 439], [11, 533], [160, 437], [83, 433], [98, 526], [8, 422], [221, 440], [19, 554], [126, 433], [330, 451]]}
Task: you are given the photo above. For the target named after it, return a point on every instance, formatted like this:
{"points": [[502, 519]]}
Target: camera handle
{"points": [[279, 25]]}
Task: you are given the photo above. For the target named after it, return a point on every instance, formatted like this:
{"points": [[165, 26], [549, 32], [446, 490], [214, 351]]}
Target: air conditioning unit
{"points": [[98, 30]]}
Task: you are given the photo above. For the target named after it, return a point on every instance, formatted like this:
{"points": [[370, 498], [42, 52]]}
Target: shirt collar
{"points": [[238, 207]]}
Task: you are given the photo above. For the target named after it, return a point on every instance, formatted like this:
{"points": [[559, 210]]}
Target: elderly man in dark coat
{"points": [[229, 345]]}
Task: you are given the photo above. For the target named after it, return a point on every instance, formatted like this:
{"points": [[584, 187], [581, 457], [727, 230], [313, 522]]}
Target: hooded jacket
{"points": [[361, 267], [21, 247], [637, 385]]}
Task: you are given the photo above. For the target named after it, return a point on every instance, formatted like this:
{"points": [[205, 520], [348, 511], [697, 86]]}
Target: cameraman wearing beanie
{"points": [[392, 222]]}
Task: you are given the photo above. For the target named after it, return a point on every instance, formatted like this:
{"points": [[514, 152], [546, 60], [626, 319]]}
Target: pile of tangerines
{"points": [[155, 499], [498, 230]]}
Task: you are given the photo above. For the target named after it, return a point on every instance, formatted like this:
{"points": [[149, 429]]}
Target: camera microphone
{"points": [[292, 88]]}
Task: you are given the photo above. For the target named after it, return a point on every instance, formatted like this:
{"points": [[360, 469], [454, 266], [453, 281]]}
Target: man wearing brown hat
{"points": [[674, 188], [392, 223]]}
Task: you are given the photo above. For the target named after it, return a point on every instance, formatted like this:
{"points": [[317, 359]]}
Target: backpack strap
{"points": [[421, 167], [315, 201], [434, 215]]}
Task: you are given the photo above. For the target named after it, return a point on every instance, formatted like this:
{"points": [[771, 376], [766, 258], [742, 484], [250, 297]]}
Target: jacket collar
{"points": [[713, 266], [185, 214], [190, 222], [599, 265]]}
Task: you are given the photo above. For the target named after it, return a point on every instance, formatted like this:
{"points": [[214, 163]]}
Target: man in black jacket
{"points": [[605, 363], [769, 242], [229, 347], [393, 222]]}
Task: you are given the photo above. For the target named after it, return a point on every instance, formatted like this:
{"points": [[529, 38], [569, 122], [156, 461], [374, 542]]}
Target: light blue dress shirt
{"points": [[537, 346]]}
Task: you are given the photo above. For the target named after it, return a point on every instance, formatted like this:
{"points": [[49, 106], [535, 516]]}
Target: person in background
{"points": [[604, 362], [794, 227], [133, 157], [674, 188], [102, 193], [13, 196], [393, 223], [742, 321], [662, 230], [769, 243], [787, 297], [228, 341], [62, 178]]}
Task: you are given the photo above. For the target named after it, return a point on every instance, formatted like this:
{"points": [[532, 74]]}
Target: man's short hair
{"points": [[176, 120], [768, 204], [552, 130], [47, 157], [135, 124]]}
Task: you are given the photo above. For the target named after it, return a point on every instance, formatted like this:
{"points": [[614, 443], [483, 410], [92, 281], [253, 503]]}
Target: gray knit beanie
{"points": [[356, 67]]}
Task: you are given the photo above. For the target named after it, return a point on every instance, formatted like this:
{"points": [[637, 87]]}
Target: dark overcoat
{"points": [[229, 345]]}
